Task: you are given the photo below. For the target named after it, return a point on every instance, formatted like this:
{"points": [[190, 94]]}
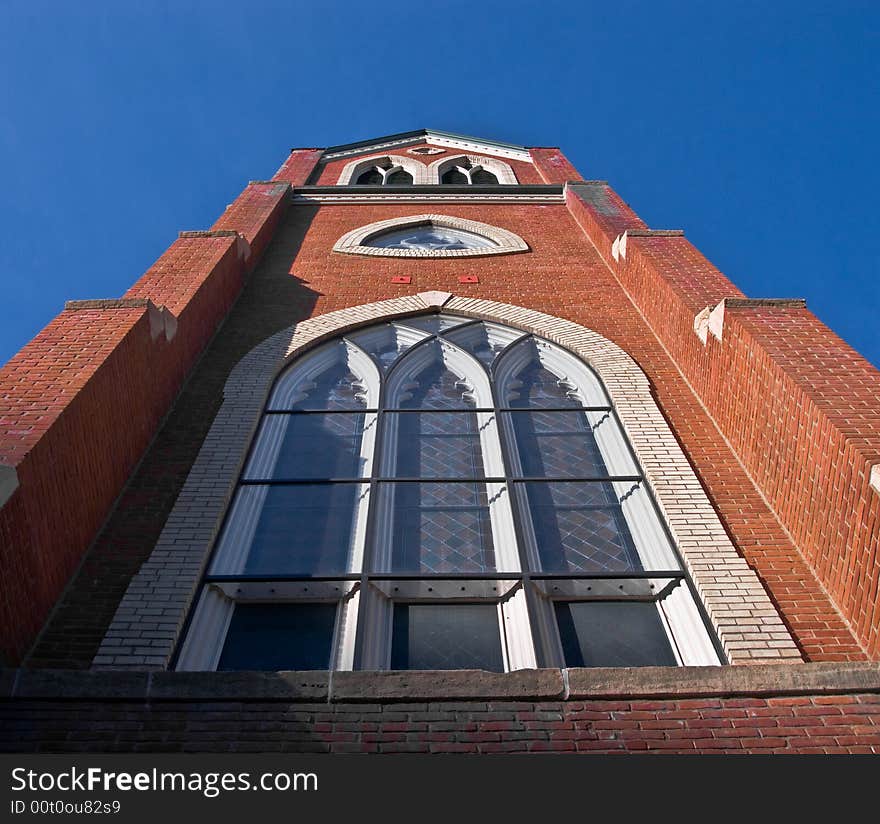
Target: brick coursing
{"points": [[800, 409], [563, 276], [81, 403], [645, 302]]}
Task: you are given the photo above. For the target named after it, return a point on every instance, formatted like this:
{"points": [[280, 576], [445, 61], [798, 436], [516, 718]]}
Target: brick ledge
{"points": [[458, 685]]}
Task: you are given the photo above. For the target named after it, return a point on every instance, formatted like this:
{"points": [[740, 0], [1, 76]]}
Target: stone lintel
{"points": [[599, 683]]}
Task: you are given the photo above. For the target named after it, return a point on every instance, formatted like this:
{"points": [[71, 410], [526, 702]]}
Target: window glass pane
{"points": [[385, 344], [565, 445], [435, 528], [297, 529], [580, 528], [337, 387], [446, 636], [435, 387], [429, 237], [399, 178], [309, 446], [371, 177], [482, 176], [536, 387], [279, 637], [483, 340], [454, 176], [613, 634], [433, 323], [435, 444]]}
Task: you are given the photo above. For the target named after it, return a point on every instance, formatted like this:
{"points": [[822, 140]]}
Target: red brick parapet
{"points": [[800, 407], [82, 401]]}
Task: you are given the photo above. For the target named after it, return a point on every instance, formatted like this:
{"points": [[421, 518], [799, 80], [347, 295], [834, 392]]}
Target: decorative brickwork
{"points": [[499, 168], [353, 169], [354, 243]]}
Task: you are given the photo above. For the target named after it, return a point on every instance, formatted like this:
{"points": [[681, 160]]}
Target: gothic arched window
{"points": [[384, 174], [442, 493], [467, 173]]}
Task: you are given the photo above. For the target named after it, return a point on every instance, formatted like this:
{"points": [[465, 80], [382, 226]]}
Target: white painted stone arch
{"points": [[160, 595], [499, 168], [355, 168]]}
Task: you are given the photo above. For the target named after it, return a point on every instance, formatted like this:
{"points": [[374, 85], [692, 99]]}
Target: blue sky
{"points": [[753, 126]]}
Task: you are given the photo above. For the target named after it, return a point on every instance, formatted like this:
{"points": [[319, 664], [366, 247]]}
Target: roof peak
{"points": [[436, 136]]}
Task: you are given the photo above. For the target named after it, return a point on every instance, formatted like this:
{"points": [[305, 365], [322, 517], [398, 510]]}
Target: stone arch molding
{"points": [[499, 168], [353, 170], [354, 242], [151, 615]]}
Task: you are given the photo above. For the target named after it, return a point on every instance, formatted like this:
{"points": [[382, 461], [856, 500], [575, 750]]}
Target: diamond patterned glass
{"points": [[536, 387], [436, 387], [446, 636], [580, 528], [435, 444], [438, 528], [312, 446], [556, 445]]}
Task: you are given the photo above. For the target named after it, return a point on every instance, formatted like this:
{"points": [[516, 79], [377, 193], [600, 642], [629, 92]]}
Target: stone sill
{"points": [[459, 685]]}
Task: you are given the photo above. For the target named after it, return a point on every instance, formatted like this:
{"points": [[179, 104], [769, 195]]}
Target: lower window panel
{"points": [[613, 634], [279, 637], [446, 637]]}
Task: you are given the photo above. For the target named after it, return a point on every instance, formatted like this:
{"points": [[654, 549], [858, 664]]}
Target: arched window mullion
{"points": [[491, 522]]}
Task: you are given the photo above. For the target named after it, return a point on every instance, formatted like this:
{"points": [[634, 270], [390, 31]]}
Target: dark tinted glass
{"points": [[613, 634], [436, 444], [579, 528], [372, 177], [279, 637], [455, 176], [438, 527], [482, 176], [313, 446], [303, 529], [446, 636], [556, 445], [399, 178]]}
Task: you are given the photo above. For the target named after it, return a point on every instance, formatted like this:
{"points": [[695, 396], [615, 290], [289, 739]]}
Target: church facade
{"points": [[431, 445]]}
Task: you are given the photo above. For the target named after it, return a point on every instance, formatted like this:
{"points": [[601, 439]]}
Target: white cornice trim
{"points": [[462, 145], [450, 197]]}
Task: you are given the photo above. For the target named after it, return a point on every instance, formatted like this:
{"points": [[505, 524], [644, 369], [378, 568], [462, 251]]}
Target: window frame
{"points": [[361, 613]]}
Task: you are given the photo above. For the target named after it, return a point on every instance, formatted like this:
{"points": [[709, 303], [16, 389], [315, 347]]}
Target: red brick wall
{"points": [[801, 724], [565, 276], [82, 401], [779, 420], [553, 166], [800, 408], [298, 167]]}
